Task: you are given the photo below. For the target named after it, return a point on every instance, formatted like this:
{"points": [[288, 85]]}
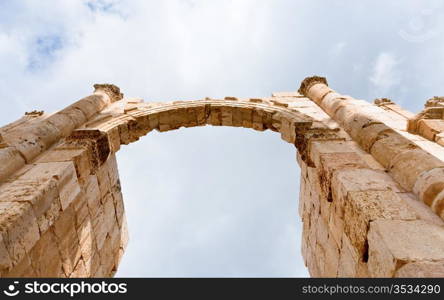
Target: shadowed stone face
{"points": [[371, 195]]}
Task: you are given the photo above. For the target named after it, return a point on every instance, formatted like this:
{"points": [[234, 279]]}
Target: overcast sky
{"points": [[214, 201]]}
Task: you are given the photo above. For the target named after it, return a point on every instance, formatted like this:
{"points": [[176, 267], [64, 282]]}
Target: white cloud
{"points": [[168, 50], [385, 72]]}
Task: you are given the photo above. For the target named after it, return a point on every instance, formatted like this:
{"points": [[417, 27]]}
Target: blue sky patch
{"points": [[44, 51]]}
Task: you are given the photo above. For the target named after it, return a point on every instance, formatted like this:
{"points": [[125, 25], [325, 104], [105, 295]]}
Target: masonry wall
{"points": [[370, 205], [61, 208], [371, 195], [75, 228]]}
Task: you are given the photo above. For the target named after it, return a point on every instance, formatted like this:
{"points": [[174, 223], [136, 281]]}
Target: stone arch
{"points": [[371, 180]]}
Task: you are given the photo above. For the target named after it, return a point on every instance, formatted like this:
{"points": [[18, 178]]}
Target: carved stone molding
{"points": [[111, 90], [308, 82]]}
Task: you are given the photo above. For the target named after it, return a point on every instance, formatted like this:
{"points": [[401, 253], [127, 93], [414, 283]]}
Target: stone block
{"points": [[45, 257], [92, 195], [422, 270], [19, 229], [415, 161], [67, 240], [79, 157], [362, 207], [394, 243], [64, 173], [10, 161]]}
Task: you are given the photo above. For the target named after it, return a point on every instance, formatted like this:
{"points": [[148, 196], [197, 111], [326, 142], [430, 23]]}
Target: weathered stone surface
{"points": [[10, 161], [362, 207], [19, 229], [67, 240], [393, 243], [64, 173], [45, 257], [371, 195], [422, 269]]}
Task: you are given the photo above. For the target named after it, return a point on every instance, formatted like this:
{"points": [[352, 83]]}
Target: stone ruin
{"points": [[371, 195]]}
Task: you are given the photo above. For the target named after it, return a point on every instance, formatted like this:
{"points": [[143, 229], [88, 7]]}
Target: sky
{"points": [[215, 201]]}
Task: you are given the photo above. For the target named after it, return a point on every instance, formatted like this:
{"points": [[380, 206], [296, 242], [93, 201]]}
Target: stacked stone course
{"points": [[371, 195]]}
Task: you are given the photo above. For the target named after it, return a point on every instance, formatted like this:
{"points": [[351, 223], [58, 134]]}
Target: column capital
{"points": [[383, 101], [436, 101], [308, 82], [111, 90]]}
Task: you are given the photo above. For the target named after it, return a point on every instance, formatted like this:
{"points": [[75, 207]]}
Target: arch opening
{"points": [[225, 218]]}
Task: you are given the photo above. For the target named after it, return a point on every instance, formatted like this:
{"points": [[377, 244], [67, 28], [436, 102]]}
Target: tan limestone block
{"points": [[288, 131], [154, 120], [438, 204], [109, 212], [19, 229], [318, 91], [79, 157], [10, 161], [92, 194], [348, 258], [80, 206], [393, 243], [164, 121], [80, 270], [319, 147], [86, 239], [336, 223], [421, 269], [103, 180], [429, 128], [63, 123], [178, 117], [202, 113], [369, 134], [421, 210], [76, 115], [23, 269], [114, 139], [124, 234], [258, 124], [119, 206], [226, 116], [92, 266], [355, 180], [67, 240], [124, 133], [332, 162], [329, 102], [191, 116], [5, 259], [362, 207], [64, 173], [110, 252], [45, 258], [247, 117], [40, 193], [90, 105], [388, 145], [113, 172], [215, 117], [332, 255], [320, 258], [429, 184], [99, 227], [415, 161], [29, 146], [47, 219], [431, 147]]}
